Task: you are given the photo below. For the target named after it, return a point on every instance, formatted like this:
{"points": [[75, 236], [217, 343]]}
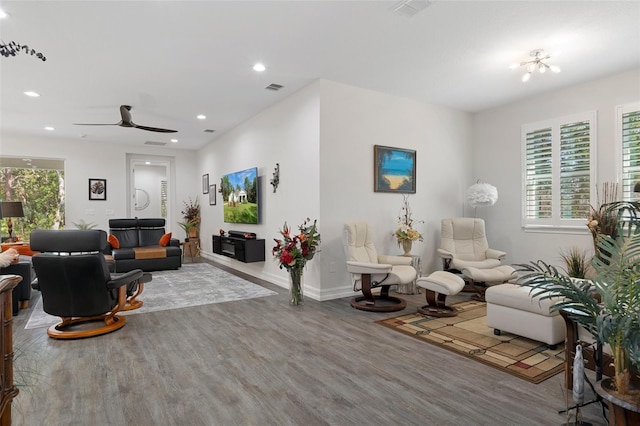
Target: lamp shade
{"points": [[11, 209], [482, 194]]}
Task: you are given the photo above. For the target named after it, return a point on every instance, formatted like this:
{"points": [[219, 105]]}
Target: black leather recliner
{"points": [[22, 292], [75, 282]]}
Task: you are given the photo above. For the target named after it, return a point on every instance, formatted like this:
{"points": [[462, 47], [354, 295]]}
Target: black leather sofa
{"points": [[139, 246]]}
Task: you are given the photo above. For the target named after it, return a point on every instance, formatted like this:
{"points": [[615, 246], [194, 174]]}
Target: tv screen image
{"points": [[240, 196]]}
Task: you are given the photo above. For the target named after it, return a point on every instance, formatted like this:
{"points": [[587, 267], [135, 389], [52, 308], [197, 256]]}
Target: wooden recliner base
{"points": [[436, 305], [367, 302], [397, 304], [132, 302], [111, 323]]}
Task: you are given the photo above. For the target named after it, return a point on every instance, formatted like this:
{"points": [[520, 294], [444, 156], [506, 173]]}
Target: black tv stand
{"points": [[242, 246]]}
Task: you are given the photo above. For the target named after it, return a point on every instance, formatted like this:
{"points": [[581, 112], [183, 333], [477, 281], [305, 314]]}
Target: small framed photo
{"points": [[394, 169], [97, 189], [205, 183], [212, 194]]}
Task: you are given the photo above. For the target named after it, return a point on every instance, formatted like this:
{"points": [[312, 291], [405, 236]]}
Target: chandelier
{"points": [[537, 63]]}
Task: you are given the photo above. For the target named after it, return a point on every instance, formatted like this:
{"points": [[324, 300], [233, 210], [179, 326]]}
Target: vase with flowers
{"points": [[293, 251], [191, 214], [406, 234]]}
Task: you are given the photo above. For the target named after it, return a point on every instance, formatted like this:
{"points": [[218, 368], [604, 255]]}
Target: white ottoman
{"points": [[438, 286], [511, 308], [500, 274]]}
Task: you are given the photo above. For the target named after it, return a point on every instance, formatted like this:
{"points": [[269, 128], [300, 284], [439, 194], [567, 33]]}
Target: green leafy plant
{"points": [[616, 319], [83, 225], [576, 263], [187, 225]]}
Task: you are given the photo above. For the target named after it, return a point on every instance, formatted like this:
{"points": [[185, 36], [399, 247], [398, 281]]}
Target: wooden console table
{"points": [[8, 391]]}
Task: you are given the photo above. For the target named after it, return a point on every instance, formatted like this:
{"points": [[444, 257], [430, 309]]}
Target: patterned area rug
{"points": [[192, 285], [468, 334]]}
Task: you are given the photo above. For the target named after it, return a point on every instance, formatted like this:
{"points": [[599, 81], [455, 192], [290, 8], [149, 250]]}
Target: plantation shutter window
{"points": [[575, 170], [539, 174], [628, 135], [558, 171]]}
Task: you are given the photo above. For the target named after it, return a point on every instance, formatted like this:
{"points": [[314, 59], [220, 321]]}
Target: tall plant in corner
{"points": [[616, 319]]}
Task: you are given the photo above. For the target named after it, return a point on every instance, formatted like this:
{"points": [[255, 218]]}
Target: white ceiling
{"points": [[172, 60]]}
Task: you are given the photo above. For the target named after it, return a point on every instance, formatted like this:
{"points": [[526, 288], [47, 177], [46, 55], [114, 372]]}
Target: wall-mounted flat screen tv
{"points": [[240, 195]]}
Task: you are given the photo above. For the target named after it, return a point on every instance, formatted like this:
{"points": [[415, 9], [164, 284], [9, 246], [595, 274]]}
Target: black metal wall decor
{"points": [[276, 177], [13, 48]]}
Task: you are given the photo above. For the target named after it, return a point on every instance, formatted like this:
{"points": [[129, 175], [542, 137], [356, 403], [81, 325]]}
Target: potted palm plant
{"points": [[190, 228], [608, 306]]}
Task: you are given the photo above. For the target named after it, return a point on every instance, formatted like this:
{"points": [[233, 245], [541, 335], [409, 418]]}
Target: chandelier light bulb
{"points": [[526, 77], [555, 68]]}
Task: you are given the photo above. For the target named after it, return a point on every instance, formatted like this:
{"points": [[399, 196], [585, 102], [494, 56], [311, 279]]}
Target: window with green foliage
{"points": [[628, 141], [558, 172], [42, 195]]}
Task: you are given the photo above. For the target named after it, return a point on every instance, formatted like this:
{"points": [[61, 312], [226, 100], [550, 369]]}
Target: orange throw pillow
{"points": [[164, 240], [113, 240]]}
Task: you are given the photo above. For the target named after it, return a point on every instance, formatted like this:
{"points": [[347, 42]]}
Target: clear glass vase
{"points": [[295, 286]]}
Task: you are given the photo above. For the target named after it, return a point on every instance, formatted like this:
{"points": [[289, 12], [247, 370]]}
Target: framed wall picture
{"points": [[394, 169], [205, 183], [212, 194], [97, 189]]}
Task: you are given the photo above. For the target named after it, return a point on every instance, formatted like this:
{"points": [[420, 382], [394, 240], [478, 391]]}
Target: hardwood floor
{"points": [[262, 362]]}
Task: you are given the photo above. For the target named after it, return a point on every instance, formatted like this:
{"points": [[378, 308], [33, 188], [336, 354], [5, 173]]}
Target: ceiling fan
{"points": [[127, 122]]}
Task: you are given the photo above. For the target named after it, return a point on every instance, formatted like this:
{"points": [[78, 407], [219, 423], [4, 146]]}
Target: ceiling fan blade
{"points": [[97, 124], [152, 129], [127, 122]]}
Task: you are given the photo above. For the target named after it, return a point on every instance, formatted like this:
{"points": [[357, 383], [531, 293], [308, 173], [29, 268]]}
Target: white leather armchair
{"points": [[464, 244], [370, 270]]}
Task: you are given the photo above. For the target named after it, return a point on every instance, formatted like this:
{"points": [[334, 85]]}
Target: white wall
{"points": [[323, 138], [353, 120], [496, 159], [286, 133], [86, 159]]}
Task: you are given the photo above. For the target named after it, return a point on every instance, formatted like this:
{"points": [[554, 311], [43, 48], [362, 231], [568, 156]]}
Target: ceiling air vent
{"points": [[409, 8], [275, 87], [155, 143], [209, 130]]}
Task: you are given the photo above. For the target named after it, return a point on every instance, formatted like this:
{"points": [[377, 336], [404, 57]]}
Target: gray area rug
{"points": [[192, 285]]}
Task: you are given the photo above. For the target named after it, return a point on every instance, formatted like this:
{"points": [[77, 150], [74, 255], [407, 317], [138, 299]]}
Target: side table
{"points": [[412, 288], [191, 248]]}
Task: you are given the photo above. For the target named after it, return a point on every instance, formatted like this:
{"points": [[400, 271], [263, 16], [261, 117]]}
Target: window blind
{"points": [[630, 133], [575, 170], [558, 171], [539, 174]]}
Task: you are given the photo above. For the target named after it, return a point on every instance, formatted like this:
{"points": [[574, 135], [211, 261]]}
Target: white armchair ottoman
{"points": [[438, 286], [511, 308]]}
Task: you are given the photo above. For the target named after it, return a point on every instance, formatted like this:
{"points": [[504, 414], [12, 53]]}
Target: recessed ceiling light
{"points": [[259, 67], [147, 163], [174, 140], [32, 94], [201, 117], [3, 14], [49, 128]]}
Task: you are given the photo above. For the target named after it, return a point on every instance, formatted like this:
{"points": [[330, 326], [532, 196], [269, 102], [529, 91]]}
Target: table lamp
{"points": [[10, 209]]}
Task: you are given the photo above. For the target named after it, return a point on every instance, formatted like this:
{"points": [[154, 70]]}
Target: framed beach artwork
{"points": [[394, 169]]}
